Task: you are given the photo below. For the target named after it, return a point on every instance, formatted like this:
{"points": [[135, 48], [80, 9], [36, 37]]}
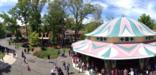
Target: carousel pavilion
{"points": [[120, 40]]}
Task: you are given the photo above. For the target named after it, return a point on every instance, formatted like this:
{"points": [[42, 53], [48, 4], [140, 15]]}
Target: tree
{"points": [[36, 7], [2, 30], [33, 39], [28, 12], [79, 11], [55, 18], [146, 19], [91, 26], [9, 22], [21, 12]]}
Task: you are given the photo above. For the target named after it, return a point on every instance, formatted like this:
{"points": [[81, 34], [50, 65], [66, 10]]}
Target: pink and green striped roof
{"points": [[122, 27], [112, 51]]}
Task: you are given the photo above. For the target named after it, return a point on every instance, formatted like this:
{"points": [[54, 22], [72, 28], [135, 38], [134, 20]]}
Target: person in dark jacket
{"points": [[60, 72]]}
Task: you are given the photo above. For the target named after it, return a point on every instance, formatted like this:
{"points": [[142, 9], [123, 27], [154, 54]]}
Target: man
{"points": [[48, 58], [60, 72], [67, 68], [28, 67], [64, 65]]}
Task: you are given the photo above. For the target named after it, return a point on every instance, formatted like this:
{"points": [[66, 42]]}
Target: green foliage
{"points": [[91, 26], [146, 19], [49, 51], [9, 22], [79, 10], [33, 38], [55, 18], [1, 55], [2, 30], [28, 12]]}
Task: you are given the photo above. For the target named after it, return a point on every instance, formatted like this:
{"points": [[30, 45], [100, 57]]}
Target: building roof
{"points": [[122, 27], [110, 51]]}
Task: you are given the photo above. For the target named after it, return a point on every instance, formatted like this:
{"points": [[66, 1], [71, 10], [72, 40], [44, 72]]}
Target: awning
{"points": [[110, 51]]}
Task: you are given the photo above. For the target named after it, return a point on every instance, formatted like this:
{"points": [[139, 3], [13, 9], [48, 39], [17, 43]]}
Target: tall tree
{"points": [[21, 12], [9, 22], [29, 12], [146, 19], [36, 7], [2, 30], [79, 11], [55, 18]]}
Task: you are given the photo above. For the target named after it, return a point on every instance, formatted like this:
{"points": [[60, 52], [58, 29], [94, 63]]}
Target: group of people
{"points": [[66, 67], [92, 69], [56, 71]]}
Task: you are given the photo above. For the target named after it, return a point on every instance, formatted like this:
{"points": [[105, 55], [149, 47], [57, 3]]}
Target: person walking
{"points": [[52, 72], [14, 54], [67, 68], [28, 67], [60, 72], [64, 65], [22, 54], [48, 58]]}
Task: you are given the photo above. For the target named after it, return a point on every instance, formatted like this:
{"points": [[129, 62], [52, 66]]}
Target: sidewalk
{"points": [[8, 58]]}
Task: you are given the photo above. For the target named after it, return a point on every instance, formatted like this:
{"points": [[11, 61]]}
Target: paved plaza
{"points": [[38, 66]]}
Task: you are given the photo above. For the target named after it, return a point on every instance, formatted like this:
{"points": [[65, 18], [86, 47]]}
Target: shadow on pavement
{"points": [[4, 68], [71, 72]]}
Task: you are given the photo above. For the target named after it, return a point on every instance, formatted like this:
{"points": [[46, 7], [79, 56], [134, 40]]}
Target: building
{"points": [[121, 43]]}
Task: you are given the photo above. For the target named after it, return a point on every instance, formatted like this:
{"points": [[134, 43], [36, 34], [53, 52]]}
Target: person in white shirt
{"points": [[131, 72]]}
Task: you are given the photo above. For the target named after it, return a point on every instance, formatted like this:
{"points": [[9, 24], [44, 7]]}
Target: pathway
{"points": [[38, 66]]}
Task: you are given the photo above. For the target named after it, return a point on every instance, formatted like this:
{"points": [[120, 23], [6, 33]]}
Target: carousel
{"points": [[121, 43]]}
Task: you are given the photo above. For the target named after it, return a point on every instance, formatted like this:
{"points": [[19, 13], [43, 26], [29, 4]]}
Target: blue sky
{"points": [[110, 8]]}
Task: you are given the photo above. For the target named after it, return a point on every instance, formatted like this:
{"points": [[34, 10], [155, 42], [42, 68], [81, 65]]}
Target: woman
{"points": [[125, 72]]}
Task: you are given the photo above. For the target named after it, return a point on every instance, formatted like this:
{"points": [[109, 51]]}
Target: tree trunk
{"points": [[76, 35]]}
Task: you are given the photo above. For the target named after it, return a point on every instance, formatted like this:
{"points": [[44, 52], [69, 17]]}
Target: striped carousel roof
{"points": [[122, 27], [112, 51]]}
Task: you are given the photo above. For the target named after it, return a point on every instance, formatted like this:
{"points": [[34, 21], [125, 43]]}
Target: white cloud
{"points": [[87, 20], [103, 5], [125, 4], [133, 7], [87, 1]]}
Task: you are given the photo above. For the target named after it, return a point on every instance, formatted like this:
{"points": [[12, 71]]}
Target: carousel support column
{"points": [[142, 63], [147, 63], [107, 66], [113, 63]]}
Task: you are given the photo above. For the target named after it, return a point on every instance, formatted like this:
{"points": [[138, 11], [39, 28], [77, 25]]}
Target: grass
{"points": [[54, 53], [49, 51], [1, 55]]}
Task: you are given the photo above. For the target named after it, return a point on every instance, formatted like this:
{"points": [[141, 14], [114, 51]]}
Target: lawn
{"points": [[54, 53]]}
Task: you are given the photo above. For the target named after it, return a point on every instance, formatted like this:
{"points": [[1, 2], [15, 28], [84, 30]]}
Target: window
{"points": [[101, 39], [126, 39], [149, 37]]}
